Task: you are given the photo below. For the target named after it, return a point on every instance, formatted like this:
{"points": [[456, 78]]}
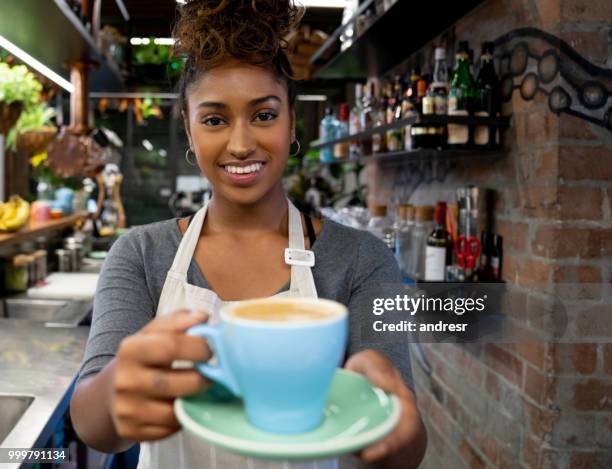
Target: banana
{"points": [[14, 213]]}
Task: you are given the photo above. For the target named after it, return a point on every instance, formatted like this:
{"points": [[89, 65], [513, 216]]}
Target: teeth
{"points": [[247, 169]]}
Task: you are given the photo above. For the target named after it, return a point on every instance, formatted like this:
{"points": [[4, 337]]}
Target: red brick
{"points": [[469, 367], [504, 363], [542, 127], [546, 163], [607, 355], [458, 414], [592, 45], [486, 443], [493, 387], [526, 272], [575, 358], [610, 200], [507, 457], [470, 456], [580, 203], [533, 352], [538, 386], [594, 394], [578, 282], [530, 453], [549, 12], [538, 200], [572, 127], [593, 321], [556, 241], [586, 10], [604, 432], [585, 163], [541, 421], [514, 233]]}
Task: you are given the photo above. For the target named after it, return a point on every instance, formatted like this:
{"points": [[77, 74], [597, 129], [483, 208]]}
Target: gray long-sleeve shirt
{"points": [[351, 267]]}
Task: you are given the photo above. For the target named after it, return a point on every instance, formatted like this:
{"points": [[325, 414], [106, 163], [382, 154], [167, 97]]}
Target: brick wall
{"points": [[534, 404]]}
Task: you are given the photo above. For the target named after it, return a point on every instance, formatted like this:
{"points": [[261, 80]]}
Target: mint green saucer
{"points": [[356, 415]]}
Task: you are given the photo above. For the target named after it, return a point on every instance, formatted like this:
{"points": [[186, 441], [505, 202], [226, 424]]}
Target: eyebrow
{"points": [[252, 102]]}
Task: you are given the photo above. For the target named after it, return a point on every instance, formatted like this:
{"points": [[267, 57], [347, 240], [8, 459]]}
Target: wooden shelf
{"points": [[32, 228], [420, 154], [427, 119], [392, 37], [51, 33]]}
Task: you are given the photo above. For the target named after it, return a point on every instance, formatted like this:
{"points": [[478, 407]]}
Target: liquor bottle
{"points": [[409, 107], [355, 123], [488, 98], [460, 98], [439, 89], [341, 149], [380, 225], [497, 255], [395, 137], [379, 144], [327, 132], [369, 115], [423, 216], [438, 250], [403, 239]]}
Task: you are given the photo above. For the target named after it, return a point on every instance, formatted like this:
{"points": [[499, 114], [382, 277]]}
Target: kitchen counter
{"points": [[40, 362]]}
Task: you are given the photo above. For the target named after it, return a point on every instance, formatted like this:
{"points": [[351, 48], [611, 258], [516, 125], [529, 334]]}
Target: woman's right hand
{"points": [[145, 386]]}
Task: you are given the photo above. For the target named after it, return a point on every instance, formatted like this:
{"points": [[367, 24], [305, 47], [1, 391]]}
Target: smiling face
{"points": [[240, 126]]}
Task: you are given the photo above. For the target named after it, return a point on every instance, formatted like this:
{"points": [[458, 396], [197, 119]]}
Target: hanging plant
{"points": [[34, 129], [19, 90]]}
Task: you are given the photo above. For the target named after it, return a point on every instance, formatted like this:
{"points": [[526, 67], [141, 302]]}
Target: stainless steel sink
{"points": [[37, 310], [12, 407], [51, 312]]}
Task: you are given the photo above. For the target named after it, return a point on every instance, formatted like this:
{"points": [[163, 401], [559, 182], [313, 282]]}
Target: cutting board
{"points": [[67, 285]]}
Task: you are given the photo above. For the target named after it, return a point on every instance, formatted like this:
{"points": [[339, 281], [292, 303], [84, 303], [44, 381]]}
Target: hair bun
{"points": [[209, 31]]}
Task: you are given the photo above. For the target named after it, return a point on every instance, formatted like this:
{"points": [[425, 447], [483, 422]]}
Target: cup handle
{"points": [[219, 373]]}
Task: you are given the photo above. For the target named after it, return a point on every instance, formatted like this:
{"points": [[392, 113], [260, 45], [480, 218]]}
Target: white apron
{"points": [[183, 450]]}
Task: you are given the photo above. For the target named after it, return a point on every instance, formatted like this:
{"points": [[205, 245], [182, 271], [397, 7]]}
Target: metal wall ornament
{"points": [[580, 88]]}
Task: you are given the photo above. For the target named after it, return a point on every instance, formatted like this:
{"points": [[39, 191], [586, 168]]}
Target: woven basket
{"points": [[9, 113], [36, 141]]}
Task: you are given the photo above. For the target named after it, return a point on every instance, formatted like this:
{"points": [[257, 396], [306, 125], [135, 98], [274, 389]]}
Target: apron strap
{"points": [[302, 281], [187, 246]]}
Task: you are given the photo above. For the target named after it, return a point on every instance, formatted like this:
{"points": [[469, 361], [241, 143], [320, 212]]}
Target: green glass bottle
{"points": [[461, 99]]}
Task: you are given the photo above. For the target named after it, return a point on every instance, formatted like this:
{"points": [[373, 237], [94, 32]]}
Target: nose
{"points": [[241, 143]]}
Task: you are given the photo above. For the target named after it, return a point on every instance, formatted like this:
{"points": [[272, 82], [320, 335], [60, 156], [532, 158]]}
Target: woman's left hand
{"points": [[405, 446]]}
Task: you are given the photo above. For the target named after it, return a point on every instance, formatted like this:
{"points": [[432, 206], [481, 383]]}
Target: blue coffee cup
{"points": [[281, 368]]}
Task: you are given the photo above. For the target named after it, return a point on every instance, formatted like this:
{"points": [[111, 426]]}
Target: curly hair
{"points": [[209, 32]]}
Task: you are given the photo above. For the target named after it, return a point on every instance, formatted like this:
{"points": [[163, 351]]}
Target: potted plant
{"points": [[19, 90], [33, 131]]}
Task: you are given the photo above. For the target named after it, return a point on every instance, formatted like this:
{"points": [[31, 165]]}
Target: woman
{"points": [[238, 109]]}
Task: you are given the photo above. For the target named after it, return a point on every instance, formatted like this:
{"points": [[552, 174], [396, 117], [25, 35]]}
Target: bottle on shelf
{"points": [[460, 98], [327, 132], [403, 239], [355, 122], [369, 115], [439, 247], [486, 247], [439, 90], [380, 225], [409, 107], [341, 150], [423, 217], [379, 144], [497, 255], [395, 137], [488, 98]]}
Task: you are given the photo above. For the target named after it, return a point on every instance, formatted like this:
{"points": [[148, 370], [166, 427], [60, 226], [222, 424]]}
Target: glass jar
{"points": [[422, 227], [16, 274]]}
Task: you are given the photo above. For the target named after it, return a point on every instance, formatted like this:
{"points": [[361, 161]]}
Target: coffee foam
{"points": [[281, 312]]}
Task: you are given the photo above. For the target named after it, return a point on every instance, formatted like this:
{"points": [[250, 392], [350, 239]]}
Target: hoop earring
{"points": [[298, 148], [189, 162]]}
